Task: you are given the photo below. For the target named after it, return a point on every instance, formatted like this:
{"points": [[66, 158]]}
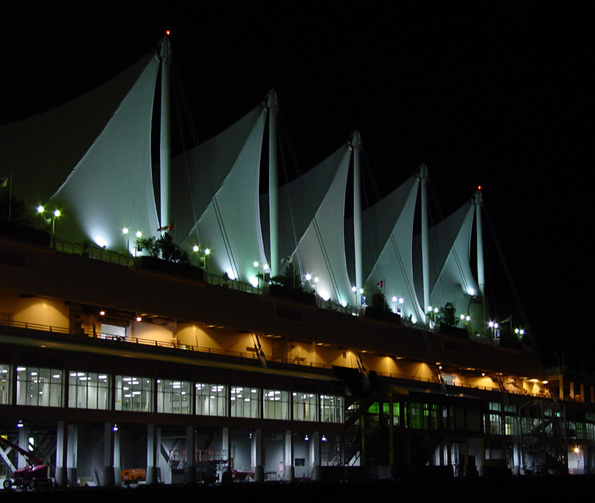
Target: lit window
{"points": [[88, 390], [275, 404], [39, 386], [174, 397], [134, 394], [245, 402]]}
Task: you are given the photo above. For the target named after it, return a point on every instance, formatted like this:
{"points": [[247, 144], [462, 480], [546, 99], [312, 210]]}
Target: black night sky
{"points": [[492, 93]]}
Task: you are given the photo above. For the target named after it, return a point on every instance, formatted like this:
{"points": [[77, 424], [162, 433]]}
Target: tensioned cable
{"points": [[510, 281]]}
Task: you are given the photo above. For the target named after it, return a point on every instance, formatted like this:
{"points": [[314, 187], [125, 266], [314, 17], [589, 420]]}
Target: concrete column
{"points": [[256, 454], [289, 473], [153, 447], [108, 455], [72, 455], [315, 455], [61, 453], [516, 456], [190, 468], [226, 446], [23, 444], [227, 475], [117, 456]]}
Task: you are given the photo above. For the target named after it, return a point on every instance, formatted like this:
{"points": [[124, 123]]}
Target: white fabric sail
{"points": [[317, 219], [387, 228], [111, 187], [218, 193], [42, 150], [198, 174], [451, 277]]}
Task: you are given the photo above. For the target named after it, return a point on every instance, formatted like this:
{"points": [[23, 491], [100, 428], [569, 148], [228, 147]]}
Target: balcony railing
{"points": [[302, 362]]}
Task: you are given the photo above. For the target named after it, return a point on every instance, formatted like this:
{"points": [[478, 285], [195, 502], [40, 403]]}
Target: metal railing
{"points": [[161, 344], [239, 354]]}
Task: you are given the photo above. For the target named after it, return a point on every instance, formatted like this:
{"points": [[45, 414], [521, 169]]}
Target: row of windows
{"points": [[428, 416], [433, 417], [93, 390]]}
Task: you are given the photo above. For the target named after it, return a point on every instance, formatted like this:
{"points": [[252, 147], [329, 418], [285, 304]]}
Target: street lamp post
{"points": [[203, 257], [125, 232], [51, 221]]}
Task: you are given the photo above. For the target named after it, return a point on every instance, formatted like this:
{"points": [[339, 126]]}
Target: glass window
{"points": [[211, 399], [174, 397], [396, 412], [580, 430], [495, 424], [245, 402], [134, 394], [88, 390], [275, 404], [509, 425], [5, 384], [415, 417], [39, 386], [331, 409], [305, 406], [431, 421]]}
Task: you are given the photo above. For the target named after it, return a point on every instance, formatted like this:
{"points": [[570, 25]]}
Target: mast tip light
{"points": [[479, 187], [167, 33]]}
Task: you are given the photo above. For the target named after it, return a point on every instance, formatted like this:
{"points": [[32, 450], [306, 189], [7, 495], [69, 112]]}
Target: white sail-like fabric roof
{"points": [[317, 211], [387, 229], [111, 187], [451, 277], [41, 151], [216, 202]]}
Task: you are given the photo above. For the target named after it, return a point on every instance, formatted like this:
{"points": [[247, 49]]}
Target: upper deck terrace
{"points": [[59, 290]]}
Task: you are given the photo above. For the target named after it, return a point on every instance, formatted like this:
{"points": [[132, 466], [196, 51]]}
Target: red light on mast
{"points": [[167, 33], [479, 187]]}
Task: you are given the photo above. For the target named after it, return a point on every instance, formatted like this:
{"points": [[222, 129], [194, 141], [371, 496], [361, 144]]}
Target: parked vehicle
{"points": [[134, 475], [32, 476]]}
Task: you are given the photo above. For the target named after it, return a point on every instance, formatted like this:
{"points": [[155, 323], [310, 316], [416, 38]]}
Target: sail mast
{"points": [[357, 213], [273, 184], [165, 140], [423, 175], [480, 259]]}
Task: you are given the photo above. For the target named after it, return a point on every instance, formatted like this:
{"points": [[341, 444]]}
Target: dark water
{"points": [[505, 490]]}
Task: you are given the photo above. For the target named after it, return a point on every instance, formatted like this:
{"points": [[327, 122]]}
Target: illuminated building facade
{"points": [[113, 359]]}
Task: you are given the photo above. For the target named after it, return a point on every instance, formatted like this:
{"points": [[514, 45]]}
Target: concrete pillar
{"points": [[256, 455], [72, 456], [108, 455], [226, 446], [117, 456], [289, 472], [153, 448], [23, 442], [190, 468], [516, 456], [314, 452], [61, 454]]}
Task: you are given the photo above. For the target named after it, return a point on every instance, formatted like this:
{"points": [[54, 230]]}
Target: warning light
{"points": [[479, 187], [167, 33]]}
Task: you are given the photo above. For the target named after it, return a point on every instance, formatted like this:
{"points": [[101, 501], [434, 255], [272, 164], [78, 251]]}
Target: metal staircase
{"points": [[543, 437]]}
